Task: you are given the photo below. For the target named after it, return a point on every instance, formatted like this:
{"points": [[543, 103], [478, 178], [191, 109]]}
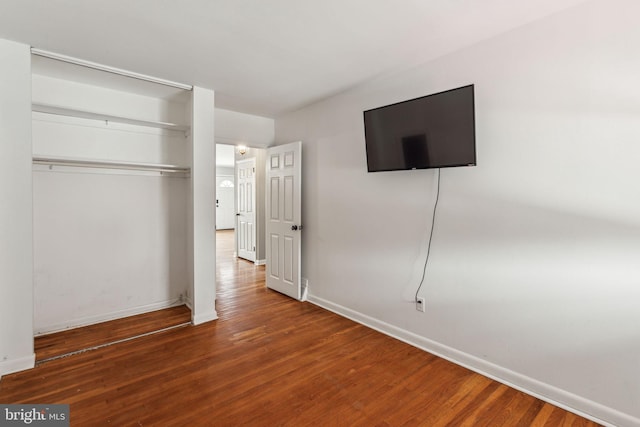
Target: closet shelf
{"points": [[108, 164], [71, 112]]}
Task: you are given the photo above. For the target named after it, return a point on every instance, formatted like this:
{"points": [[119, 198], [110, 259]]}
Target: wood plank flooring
{"points": [[272, 361], [61, 343]]}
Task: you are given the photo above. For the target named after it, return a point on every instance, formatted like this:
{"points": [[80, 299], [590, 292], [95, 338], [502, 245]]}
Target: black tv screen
{"points": [[434, 131]]}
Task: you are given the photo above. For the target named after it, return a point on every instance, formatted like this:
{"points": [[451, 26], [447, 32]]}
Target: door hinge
{"points": [[254, 249], [254, 170]]}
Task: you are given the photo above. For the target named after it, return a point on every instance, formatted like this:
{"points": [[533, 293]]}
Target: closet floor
{"points": [[87, 337]]}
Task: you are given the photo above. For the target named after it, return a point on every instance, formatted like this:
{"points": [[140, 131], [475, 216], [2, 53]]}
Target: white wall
{"points": [[534, 275], [94, 139], [66, 92], [16, 265], [107, 243], [240, 128]]}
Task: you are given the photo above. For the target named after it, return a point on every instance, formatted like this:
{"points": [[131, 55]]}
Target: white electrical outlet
{"points": [[420, 304]]}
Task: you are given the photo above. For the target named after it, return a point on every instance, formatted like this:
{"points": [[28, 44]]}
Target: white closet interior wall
{"points": [[108, 242]]}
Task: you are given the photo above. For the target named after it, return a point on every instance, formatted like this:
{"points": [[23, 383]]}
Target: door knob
{"points": [[294, 227]]}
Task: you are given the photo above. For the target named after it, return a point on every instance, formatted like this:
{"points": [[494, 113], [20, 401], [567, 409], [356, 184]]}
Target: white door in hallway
{"points": [[284, 213], [225, 212], [246, 212]]}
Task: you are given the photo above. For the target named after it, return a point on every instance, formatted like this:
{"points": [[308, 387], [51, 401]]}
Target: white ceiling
{"points": [[264, 57]]}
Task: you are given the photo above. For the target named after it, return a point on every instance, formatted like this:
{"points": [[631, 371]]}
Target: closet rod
{"points": [[108, 69], [105, 164]]}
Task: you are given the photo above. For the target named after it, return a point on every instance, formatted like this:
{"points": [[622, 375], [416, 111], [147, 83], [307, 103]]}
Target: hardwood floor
{"points": [[272, 361], [79, 339]]}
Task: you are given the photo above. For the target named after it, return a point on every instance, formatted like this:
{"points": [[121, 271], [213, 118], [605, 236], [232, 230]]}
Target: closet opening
{"points": [[112, 201]]}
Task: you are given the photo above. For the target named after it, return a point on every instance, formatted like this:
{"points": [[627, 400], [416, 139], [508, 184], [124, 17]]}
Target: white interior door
{"points": [[283, 228], [225, 212], [246, 212]]}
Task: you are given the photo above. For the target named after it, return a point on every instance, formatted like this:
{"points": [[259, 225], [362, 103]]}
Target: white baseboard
{"points": [[204, 317], [260, 262], [571, 402], [200, 318], [104, 317], [16, 365]]}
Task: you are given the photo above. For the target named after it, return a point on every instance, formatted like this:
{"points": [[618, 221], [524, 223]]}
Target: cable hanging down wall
{"points": [[433, 221]]}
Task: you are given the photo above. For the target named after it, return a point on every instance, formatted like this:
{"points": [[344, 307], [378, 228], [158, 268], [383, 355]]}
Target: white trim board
{"points": [[204, 318], [91, 320], [16, 365], [571, 402]]}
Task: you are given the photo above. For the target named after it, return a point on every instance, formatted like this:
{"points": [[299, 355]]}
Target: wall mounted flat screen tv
{"points": [[434, 131]]}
